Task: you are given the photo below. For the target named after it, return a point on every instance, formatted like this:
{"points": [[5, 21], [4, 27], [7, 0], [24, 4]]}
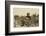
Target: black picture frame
{"points": [[7, 6]]}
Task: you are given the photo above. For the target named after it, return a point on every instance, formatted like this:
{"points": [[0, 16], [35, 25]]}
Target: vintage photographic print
{"points": [[26, 17]]}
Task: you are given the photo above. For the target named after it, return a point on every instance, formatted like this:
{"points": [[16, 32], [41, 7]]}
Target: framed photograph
{"points": [[24, 17]]}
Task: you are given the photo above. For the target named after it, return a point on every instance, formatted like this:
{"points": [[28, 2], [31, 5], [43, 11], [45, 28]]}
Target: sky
{"points": [[24, 11]]}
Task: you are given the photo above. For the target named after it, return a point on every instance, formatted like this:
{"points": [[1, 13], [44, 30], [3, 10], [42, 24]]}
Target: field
{"points": [[26, 21]]}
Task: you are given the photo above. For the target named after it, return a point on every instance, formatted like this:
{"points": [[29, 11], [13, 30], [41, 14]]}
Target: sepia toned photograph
{"points": [[26, 17]]}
